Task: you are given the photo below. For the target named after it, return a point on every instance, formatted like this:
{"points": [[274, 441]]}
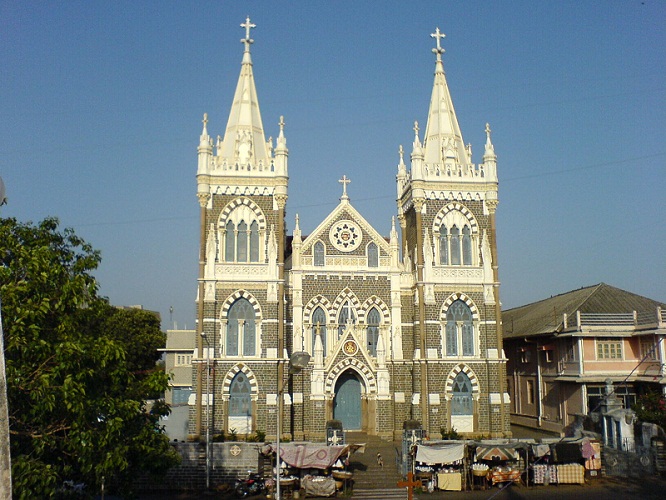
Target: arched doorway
{"points": [[347, 402]]}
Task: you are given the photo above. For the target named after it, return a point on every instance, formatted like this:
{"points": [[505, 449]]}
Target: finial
{"points": [[247, 40], [416, 131], [439, 50], [489, 154], [281, 124], [401, 164], [205, 123], [344, 181], [298, 225]]}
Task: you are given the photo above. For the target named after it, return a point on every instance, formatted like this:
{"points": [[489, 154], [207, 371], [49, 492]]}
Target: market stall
{"points": [[505, 462], [564, 462], [316, 469], [441, 465]]}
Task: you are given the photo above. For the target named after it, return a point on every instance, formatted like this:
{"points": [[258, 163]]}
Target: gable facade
{"points": [[404, 327]]}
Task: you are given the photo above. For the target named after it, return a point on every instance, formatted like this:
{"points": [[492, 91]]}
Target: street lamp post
{"points": [[297, 362]]}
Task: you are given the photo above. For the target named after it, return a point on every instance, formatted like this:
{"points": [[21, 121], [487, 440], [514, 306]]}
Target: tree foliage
{"points": [[651, 407], [79, 372]]}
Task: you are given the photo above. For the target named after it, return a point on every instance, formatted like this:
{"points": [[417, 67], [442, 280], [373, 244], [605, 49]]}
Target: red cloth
{"points": [[495, 476]]}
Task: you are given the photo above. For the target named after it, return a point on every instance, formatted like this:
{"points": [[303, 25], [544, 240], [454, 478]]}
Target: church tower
{"points": [[242, 189], [446, 208]]}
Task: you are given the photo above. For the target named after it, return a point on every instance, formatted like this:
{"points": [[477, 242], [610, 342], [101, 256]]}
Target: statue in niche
{"points": [[486, 255], [427, 252], [243, 146], [211, 246]]}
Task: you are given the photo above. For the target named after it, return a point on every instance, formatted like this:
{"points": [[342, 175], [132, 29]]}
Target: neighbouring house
{"points": [[562, 350], [178, 355]]}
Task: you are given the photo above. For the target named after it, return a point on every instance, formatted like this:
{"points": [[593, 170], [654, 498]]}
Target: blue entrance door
{"points": [[347, 404]]}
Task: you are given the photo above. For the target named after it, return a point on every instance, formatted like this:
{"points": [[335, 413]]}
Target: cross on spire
{"points": [[247, 40], [344, 181], [438, 36], [205, 123]]}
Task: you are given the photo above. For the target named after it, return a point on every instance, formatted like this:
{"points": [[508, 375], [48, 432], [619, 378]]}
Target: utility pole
{"points": [[5, 458]]}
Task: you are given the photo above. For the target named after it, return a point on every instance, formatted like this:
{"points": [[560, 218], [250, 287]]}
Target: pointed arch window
{"points": [[461, 402], [443, 246], [241, 242], [373, 255], [346, 315], [372, 332], [243, 229], [241, 329], [319, 322], [319, 254], [467, 246], [456, 228], [459, 330], [230, 242], [254, 242], [240, 396], [455, 246]]}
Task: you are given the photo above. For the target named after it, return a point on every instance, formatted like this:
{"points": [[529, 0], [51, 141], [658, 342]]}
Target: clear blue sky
{"points": [[101, 106]]}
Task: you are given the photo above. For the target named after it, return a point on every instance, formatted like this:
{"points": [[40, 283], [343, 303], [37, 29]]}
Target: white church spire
{"points": [[244, 140], [443, 142]]}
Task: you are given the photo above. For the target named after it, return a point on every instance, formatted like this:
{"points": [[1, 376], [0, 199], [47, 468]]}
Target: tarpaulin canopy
{"points": [[440, 453], [496, 452], [315, 456]]}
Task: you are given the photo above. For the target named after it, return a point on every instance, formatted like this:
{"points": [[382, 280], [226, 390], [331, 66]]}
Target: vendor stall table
{"points": [[318, 486], [497, 476], [449, 481], [571, 474], [543, 471]]}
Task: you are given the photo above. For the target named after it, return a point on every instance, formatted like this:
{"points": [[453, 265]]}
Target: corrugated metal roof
{"points": [[546, 316]]}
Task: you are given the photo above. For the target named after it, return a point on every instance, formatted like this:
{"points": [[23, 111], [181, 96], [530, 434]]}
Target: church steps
{"points": [[368, 474]]}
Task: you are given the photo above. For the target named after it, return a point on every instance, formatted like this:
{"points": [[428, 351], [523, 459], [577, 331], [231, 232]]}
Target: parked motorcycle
{"points": [[253, 484]]}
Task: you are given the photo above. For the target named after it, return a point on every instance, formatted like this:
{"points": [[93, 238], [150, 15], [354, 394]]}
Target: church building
{"points": [[404, 327]]}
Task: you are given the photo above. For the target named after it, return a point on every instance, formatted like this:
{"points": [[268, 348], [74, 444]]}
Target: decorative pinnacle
{"points": [[488, 131], [205, 123], [247, 40], [439, 50], [416, 131], [344, 181], [281, 124]]}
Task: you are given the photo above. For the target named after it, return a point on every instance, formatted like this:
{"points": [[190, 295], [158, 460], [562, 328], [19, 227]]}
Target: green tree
{"points": [[79, 372], [651, 407]]}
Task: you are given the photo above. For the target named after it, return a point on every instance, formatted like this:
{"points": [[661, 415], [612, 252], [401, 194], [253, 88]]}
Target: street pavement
{"points": [[649, 488]]}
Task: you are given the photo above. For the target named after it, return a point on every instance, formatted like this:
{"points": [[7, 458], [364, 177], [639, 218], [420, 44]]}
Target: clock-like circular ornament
{"points": [[345, 235], [350, 347]]}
